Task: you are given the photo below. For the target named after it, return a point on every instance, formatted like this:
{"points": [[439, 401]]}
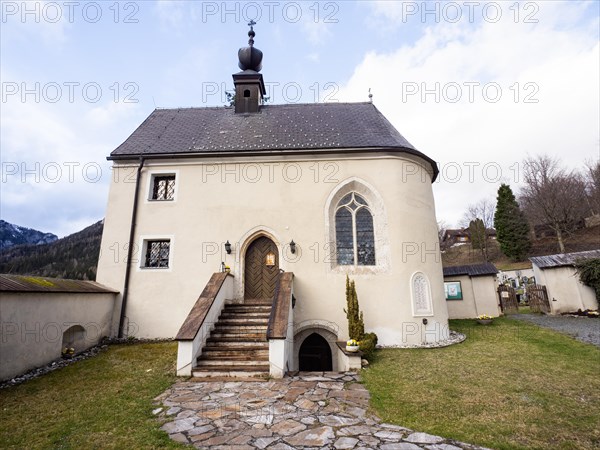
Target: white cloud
{"points": [[170, 14], [47, 21], [316, 31], [54, 170], [314, 57], [558, 57]]}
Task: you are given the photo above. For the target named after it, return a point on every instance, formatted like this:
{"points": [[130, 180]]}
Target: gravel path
{"points": [[583, 329]]}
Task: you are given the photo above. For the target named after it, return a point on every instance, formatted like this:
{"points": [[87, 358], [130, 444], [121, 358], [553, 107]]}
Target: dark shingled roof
{"points": [[563, 259], [473, 270], [295, 128], [23, 283]]}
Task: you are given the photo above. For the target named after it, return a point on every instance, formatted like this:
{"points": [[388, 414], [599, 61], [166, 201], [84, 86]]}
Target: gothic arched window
{"points": [[354, 235]]}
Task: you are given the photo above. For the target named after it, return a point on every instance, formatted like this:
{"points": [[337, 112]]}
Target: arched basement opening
{"points": [[315, 354], [74, 337]]}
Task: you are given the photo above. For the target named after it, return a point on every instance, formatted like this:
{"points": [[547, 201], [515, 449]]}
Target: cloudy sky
{"points": [[475, 85]]}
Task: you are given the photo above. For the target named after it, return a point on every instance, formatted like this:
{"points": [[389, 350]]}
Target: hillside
{"points": [[581, 240], [11, 235], [74, 256]]}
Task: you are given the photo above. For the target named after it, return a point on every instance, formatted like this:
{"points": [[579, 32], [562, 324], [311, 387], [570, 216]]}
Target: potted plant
{"points": [[68, 352], [352, 345], [484, 319]]}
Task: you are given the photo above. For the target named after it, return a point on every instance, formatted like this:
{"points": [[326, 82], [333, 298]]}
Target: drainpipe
{"points": [[130, 247]]}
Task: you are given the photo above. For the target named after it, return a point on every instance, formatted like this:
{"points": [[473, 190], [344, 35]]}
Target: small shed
{"points": [[565, 292], [471, 291], [39, 317]]}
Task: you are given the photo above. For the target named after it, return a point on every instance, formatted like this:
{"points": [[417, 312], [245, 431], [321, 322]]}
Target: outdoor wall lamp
{"points": [[228, 247], [293, 247]]}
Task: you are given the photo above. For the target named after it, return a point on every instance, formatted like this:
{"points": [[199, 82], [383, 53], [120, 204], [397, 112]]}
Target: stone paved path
{"points": [[309, 411]]}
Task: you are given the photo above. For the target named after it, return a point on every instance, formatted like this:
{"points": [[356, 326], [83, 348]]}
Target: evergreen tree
{"points": [[356, 324], [512, 229], [479, 236], [589, 273]]}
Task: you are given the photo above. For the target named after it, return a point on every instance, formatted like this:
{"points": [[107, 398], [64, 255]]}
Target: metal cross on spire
{"points": [[251, 33]]}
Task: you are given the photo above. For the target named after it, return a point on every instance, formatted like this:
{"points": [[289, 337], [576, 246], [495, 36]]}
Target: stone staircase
{"points": [[238, 346]]}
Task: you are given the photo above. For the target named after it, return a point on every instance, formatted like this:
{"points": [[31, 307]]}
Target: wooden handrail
{"points": [[195, 319], [278, 320]]}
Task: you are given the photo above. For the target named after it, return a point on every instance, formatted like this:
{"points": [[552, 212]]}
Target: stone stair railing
{"points": [[280, 330], [199, 323]]}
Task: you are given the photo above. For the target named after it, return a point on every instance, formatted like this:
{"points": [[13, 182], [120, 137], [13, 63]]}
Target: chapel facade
{"points": [[233, 229]]}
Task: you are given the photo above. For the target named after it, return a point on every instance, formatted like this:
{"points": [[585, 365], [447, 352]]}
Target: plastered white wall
{"points": [[283, 198], [33, 324]]}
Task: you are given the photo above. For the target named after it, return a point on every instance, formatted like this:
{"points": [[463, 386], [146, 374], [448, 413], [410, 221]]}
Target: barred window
{"points": [[157, 253], [163, 187], [354, 233]]}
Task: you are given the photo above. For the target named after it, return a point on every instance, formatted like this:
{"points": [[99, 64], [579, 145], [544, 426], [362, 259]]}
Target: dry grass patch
{"points": [[510, 385], [103, 402]]}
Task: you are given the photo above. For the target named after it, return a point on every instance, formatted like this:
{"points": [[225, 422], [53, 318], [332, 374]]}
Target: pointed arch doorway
{"points": [[261, 268]]}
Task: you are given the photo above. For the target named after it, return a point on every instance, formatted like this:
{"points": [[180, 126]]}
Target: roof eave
{"points": [[277, 152]]}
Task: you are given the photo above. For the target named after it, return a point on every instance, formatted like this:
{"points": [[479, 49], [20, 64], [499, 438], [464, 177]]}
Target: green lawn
{"points": [[510, 385], [100, 403]]}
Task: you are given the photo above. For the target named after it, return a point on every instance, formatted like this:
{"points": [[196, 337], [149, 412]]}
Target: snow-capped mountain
{"points": [[11, 235]]}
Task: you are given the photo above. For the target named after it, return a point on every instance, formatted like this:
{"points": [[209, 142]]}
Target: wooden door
{"points": [[537, 296], [261, 269], [508, 299]]}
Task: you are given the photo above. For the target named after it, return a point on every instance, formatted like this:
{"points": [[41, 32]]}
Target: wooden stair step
{"points": [[234, 356], [226, 359], [226, 337], [247, 309], [241, 346], [258, 301], [231, 363], [241, 368], [245, 315], [223, 373], [239, 329], [237, 346], [224, 351], [242, 322]]}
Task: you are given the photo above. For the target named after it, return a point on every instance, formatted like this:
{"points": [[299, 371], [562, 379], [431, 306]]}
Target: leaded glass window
{"points": [[344, 236], [157, 253], [354, 233], [163, 187]]}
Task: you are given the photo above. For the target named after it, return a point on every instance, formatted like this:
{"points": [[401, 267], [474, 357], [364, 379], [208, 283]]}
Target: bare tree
{"points": [[442, 226], [479, 219], [592, 179], [483, 209], [553, 196]]}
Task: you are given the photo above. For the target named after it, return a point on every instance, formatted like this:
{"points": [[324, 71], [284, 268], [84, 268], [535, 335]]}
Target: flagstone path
{"points": [[308, 411]]}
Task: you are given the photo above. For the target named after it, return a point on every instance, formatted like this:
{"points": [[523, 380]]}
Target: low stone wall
{"points": [[36, 326]]}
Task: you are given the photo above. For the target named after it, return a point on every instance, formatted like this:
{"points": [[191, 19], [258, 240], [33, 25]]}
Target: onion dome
{"points": [[250, 58]]}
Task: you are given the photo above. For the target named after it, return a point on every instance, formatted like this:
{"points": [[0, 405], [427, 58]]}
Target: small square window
{"points": [[157, 254], [270, 259], [163, 187]]}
